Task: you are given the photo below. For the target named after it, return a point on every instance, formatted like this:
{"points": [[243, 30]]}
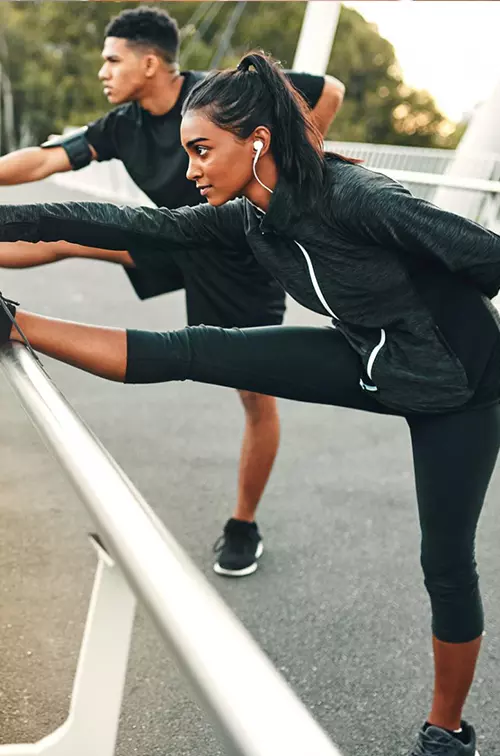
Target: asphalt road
{"points": [[338, 602]]}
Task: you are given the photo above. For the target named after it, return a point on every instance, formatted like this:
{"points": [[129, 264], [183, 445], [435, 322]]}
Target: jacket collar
{"points": [[281, 212]]}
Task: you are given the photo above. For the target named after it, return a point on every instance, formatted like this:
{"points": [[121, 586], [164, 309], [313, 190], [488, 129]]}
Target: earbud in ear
{"points": [[258, 146]]}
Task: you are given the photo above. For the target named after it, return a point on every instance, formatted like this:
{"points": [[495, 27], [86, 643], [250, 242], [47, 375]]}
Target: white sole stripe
{"points": [[246, 570]]}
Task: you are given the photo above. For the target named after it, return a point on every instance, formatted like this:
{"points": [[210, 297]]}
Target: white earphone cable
{"points": [[257, 155]]}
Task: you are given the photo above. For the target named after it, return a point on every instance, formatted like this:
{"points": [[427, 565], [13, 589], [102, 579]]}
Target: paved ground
{"points": [[338, 603]]}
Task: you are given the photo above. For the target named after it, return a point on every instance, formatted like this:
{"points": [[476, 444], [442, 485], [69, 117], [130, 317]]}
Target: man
{"points": [[224, 287]]}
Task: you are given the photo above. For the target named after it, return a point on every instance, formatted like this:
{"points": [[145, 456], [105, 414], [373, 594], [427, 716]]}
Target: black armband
{"points": [[76, 147]]}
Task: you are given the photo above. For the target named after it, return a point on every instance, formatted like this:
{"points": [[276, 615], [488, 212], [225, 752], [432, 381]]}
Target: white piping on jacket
{"points": [[319, 293], [374, 353]]}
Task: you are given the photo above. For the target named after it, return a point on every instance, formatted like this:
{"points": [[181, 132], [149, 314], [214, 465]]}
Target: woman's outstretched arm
{"points": [[103, 225], [307, 364]]}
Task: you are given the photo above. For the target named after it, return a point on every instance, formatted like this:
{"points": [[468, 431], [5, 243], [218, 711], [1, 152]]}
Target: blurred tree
{"points": [[378, 106], [53, 57], [52, 52]]}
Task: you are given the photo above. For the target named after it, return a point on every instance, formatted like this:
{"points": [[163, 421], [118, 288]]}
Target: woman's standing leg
{"points": [[454, 457]]}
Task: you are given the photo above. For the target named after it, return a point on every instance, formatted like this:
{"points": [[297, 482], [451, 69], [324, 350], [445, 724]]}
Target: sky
{"points": [[449, 47]]}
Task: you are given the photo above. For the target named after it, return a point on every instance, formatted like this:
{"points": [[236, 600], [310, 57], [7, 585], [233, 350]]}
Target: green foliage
{"points": [[52, 54], [53, 57], [378, 107]]}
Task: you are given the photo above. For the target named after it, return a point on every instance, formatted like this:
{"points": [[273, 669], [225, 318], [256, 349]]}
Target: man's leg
{"points": [[241, 544], [258, 451]]}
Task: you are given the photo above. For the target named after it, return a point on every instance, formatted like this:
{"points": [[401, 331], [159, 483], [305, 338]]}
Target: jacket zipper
{"points": [[319, 294], [373, 355]]}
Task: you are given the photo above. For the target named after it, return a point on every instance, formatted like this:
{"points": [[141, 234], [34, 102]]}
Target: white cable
{"points": [[257, 154]]}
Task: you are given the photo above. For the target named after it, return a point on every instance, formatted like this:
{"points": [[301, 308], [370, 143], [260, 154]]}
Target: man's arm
{"points": [[58, 155], [323, 94], [61, 153], [328, 104], [32, 164]]}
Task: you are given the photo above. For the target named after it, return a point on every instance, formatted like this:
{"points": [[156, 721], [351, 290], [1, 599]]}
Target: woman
{"points": [[407, 287]]}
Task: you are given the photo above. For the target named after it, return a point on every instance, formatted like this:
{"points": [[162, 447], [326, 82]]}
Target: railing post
{"points": [[92, 723], [260, 717]]}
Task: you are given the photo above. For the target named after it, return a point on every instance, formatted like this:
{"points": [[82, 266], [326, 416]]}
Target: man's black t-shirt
{"points": [[224, 287], [149, 146]]}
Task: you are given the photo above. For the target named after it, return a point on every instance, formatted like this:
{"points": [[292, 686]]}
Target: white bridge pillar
{"points": [[316, 37]]}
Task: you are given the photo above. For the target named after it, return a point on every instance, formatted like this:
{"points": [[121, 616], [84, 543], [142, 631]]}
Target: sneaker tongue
{"points": [[235, 526]]}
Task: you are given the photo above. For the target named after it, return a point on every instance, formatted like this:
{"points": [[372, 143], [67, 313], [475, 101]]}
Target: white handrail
{"points": [[437, 179], [253, 708]]}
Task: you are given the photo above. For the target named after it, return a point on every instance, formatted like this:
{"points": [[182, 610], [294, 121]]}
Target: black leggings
{"points": [[454, 454]]}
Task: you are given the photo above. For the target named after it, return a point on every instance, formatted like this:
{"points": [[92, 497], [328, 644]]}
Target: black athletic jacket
{"points": [[407, 284]]}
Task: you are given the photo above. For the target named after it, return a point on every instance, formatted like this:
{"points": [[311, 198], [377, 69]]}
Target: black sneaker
{"points": [[239, 547], [7, 317], [434, 741]]}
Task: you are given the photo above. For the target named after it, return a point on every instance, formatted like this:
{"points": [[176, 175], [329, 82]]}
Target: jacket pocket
{"points": [[419, 372]]}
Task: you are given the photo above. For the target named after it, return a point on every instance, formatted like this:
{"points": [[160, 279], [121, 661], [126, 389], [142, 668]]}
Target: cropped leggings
{"points": [[454, 454]]}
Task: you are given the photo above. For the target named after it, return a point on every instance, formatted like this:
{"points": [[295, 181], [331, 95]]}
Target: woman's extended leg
{"points": [[454, 457], [95, 349], [303, 363], [307, 364]]}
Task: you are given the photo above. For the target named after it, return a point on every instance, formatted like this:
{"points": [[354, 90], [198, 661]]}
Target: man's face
{"points": [[124, 71]]}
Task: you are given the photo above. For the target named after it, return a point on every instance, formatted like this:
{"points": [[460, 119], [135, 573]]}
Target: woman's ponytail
{"points": [[297, 144]]}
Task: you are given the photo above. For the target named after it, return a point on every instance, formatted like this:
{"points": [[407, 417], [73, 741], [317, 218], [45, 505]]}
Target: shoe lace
{"points": [[238, 539], [219, 544], [4, 302]]}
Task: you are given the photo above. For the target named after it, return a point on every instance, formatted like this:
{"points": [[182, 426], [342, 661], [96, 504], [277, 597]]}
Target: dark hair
{"points": [[257, 93], [147, 27]]}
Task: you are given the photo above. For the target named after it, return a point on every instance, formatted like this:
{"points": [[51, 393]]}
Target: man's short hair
{"points": [[147, 27]]}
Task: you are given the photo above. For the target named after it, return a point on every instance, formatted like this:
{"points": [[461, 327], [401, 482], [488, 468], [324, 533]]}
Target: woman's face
{"points": [[219, 162]]}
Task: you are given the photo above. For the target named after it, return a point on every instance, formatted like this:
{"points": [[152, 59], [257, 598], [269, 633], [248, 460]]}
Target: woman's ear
{"points": [[261, 140]]}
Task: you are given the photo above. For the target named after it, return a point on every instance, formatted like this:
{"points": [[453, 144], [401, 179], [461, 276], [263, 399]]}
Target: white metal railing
{"points": [[259, 717], [399, 157], [487, 209]]}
